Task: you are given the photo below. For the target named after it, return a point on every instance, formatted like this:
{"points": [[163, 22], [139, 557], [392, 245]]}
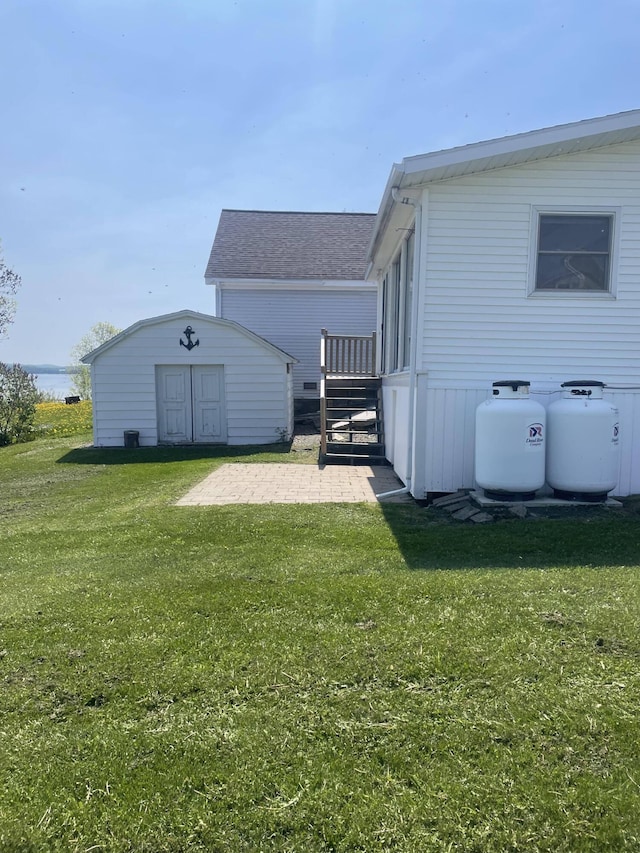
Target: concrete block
{"points": [[465, 513], [455, 506], [445, 500], [519, 510], [481, 518]]}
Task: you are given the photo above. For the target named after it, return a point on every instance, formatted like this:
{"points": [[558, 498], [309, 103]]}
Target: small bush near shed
{"points": [[18, 398]]}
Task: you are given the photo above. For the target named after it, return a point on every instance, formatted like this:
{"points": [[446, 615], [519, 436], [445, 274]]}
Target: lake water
{"points": [[58, 384]]}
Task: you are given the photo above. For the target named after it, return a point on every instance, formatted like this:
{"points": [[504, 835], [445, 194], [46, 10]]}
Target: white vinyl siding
{"points": [[480, 322], [257, 386], [448, 436], [395, 406], [292, 319]]}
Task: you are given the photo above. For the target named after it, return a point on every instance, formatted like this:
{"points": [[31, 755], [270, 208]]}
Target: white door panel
{"points": [[208, 404], [190, 402], [173, 386]]}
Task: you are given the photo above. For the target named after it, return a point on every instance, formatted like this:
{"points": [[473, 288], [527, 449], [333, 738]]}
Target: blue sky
{"points": [[128, 124]]}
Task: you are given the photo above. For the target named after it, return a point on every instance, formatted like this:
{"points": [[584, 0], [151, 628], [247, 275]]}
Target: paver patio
{"points": [[274, 483]]}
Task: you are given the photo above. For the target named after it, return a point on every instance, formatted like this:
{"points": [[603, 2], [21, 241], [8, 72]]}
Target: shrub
{"points": [[18, 398]]}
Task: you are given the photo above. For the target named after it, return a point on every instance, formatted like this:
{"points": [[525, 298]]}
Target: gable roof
{"points": [[267, 244], [424, 169], [186, 314]]}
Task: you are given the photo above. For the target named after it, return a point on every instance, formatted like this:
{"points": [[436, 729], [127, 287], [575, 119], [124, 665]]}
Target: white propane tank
{"points": [[510, 436], [583, 444]]}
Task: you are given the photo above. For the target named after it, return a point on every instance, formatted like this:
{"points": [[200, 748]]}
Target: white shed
{"points": [[512, 257], [189, 378]]}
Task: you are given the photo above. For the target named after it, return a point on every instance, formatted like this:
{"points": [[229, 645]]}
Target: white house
{"points": [[287, 275], [187, 378], [513, 257]]}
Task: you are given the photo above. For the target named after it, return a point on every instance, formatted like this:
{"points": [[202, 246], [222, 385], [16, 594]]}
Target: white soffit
{"points": [[521, 148]]}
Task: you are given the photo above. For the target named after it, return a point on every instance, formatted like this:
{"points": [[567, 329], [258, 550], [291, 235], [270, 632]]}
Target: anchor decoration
{"points": [[190, 344]]}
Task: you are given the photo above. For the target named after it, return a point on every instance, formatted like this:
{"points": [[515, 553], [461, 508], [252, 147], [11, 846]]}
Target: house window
{"points": [[408, 299], [397, 296], [396, 283], [383, 324], [574, 252]]}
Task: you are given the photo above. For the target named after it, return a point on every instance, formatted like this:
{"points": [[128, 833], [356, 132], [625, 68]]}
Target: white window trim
{"points": [[579, 210]]}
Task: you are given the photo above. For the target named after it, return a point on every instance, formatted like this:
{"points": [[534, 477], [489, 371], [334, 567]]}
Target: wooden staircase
{"points": [[351, 423]]}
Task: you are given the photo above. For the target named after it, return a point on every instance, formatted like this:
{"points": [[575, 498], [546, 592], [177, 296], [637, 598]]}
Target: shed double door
{"points": [[190, 401]]}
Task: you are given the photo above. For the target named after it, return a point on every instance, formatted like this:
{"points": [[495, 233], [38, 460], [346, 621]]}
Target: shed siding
{"points": [[479, 324], [257, 386], [292, 320]]}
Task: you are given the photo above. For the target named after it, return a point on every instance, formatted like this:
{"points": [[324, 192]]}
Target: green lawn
{"points": [[306, 678]]}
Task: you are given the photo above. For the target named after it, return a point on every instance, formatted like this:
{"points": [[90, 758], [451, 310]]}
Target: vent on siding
{"points": [[310, 386]]}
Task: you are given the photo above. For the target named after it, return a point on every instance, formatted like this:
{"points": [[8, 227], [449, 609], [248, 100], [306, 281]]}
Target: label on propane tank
{"points": [[535, 437]]}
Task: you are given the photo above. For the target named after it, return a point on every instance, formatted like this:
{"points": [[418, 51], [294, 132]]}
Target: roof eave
{"points": [[533, 145], [240, 282], [384, 212], [90, 357], [419, 171]]}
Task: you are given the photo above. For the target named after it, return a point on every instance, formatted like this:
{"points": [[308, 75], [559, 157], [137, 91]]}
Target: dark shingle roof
{"points": [[282, 245]]}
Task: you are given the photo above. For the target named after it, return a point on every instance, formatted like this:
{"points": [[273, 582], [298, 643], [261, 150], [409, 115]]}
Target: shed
{"points": [[190, 378]]}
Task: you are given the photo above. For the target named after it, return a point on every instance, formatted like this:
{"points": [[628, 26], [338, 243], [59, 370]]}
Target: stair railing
{"points": [[348, 355], [344, 356]]}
